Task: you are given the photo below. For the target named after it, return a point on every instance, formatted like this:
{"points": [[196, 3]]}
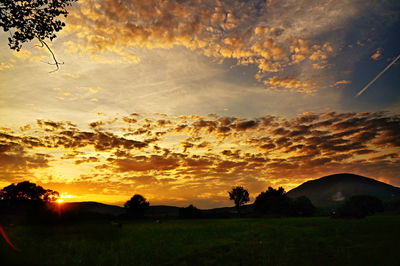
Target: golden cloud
{"points": [[377, 55], [4, 66], [234, 29], [203, 153], [290, 83]]}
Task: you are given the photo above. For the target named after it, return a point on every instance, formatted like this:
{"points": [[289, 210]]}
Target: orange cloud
{"points": [[377, 55], [291, 84], [342, 82], [167, 156]]}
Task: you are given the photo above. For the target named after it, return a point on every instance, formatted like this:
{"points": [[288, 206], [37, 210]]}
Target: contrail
{"points": [[378, 76]]}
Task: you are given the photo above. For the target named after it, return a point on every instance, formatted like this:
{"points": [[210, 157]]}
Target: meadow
{"points": [[240, 241]]}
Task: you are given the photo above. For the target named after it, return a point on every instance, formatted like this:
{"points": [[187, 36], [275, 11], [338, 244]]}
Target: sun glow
{"points": [[60, 201], [64, 197]]}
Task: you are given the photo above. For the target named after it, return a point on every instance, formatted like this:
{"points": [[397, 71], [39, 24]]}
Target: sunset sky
{"points": [[181, 100]]}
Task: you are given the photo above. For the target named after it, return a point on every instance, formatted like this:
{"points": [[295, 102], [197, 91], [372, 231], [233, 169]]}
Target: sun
{"points": [[60, 201], [64, 197]]}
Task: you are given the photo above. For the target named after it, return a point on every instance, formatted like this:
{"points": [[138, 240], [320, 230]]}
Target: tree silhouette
{"points": [[136, 206], [27, 191], [26, 199], [239, 195], [273, 201], [33, 19]]}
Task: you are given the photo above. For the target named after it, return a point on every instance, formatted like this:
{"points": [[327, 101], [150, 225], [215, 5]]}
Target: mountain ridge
{"points": [[334, 189]]}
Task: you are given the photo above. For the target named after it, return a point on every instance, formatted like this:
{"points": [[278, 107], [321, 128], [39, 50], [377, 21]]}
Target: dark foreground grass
{"points": [[289, 241]]}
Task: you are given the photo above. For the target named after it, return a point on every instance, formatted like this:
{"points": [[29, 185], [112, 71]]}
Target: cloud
{"points": [[342, 82], [77, 93], [377, 55], [90, 159], [246, 125], [171, 155], [72, 75], [291, 84], [273, 36], [4, 66], [92, 90], [142, 163], [49, 125], [17, 163]]}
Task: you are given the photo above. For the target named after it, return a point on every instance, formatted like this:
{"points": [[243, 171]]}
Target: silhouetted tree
{"points": [[360, 206], [239, 195], [27, 191], [27, 199], [302, 206], [33, 19], [273, 202], [136, 206], [190, 212]]}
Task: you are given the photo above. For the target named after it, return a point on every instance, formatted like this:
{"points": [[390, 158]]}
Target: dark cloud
{"points": [[246, 125], [142, 163], [51, 125], [90, 159]]}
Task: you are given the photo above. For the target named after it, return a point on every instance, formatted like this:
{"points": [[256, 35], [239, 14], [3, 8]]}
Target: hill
{"points": [[92, 207], [332, 190], [105, 209]]}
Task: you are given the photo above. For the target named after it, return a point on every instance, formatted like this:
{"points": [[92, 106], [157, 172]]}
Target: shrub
{"points": [[190, 212], [360, 206]]}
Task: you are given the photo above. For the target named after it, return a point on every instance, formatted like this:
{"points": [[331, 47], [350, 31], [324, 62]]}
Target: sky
{"points": [[179, 101]]}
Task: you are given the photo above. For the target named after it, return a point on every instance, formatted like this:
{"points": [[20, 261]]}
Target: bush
{"points": [[360, 206], [273, 202], [190, 212], [302, 206]]}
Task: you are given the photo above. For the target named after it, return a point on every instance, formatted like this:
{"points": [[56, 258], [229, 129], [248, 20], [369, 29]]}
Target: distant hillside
{"points": [[334, 189], [100, 208], [92, 207]]}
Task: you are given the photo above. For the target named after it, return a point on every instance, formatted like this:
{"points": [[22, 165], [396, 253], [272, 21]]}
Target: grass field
{"points": [[287, 241]]}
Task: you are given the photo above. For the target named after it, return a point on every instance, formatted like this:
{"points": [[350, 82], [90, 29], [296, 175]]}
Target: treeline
{"points": [[35, 203], [271, 203]]}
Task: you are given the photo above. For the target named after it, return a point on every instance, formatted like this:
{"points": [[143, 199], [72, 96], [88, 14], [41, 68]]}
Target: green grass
{"points": [[290, 241]]}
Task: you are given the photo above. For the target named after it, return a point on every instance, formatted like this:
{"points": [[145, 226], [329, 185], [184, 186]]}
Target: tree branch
{"points": [[56, 63]]}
